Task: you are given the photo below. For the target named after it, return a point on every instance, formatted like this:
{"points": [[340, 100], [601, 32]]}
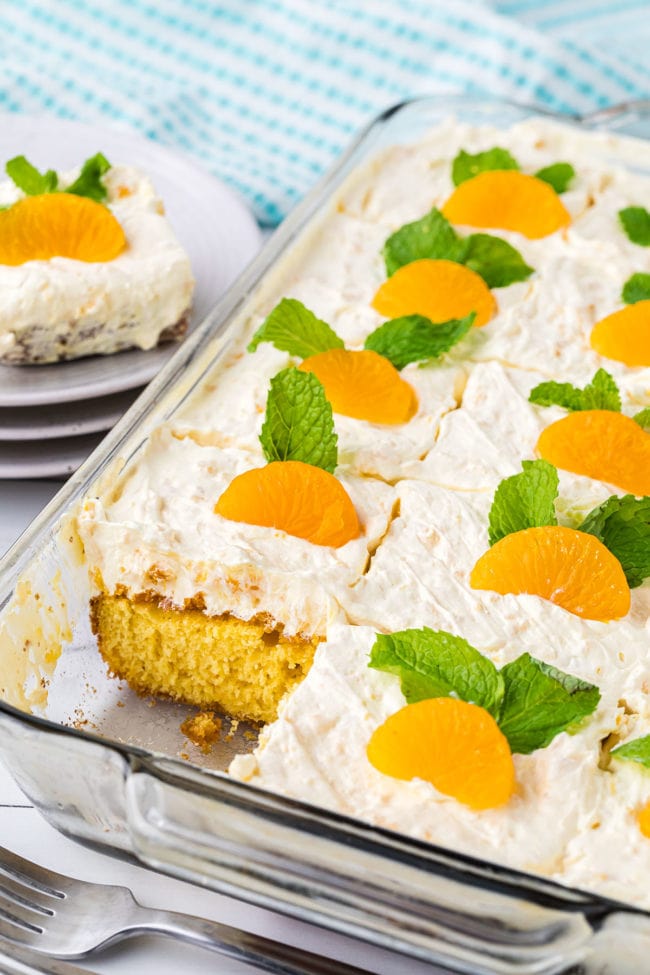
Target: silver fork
{"points": [[66, 918]]}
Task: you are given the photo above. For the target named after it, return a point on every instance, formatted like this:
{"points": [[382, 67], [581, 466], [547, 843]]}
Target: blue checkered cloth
{"points": [[267, 92]]}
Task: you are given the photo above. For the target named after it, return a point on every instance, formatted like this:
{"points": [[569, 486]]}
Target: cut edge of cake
{"points": [[241, 667]]}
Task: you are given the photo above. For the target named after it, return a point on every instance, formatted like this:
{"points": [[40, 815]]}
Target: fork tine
{"points": [[22, 917], [31, 875], [26, 897], [17, 934]]}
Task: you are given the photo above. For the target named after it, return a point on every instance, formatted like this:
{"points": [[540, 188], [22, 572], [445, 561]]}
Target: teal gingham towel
{"points": [[265, 93]]}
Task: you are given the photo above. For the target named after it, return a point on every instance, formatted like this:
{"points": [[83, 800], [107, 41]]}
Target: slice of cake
{"points": [[214, 611], [88, 264]]}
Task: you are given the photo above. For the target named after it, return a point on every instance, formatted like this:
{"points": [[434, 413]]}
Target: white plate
{"points": [[64, 419], [49, 458], [210, 220]]}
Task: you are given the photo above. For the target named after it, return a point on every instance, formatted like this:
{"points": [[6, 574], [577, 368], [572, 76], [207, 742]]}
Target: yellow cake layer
{"points": [[243, 668]]}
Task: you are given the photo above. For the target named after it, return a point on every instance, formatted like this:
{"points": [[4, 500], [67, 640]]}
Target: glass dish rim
{"points": [[144, 408]]}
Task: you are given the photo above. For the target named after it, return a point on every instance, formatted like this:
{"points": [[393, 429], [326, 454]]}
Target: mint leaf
{"points": [[636, 288], [497, 261], [415, 338], [525, 500], [28, 179], [643, 418], [465, 165], [637, 750], [636, 224], [559, 175], [295, 329], [431, 237], [623, 526], [539, 702], [600, 394], [89, 181], [556, 394], [299, 423], [433, 663]]}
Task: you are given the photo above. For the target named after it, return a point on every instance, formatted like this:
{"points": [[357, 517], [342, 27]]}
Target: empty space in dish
{"points": [[81, 695]]}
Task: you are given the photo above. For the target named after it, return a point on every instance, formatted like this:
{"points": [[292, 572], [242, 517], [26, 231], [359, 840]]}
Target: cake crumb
{"points": [[234, 725], [203, 729]]}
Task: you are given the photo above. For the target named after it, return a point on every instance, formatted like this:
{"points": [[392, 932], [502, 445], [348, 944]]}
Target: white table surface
{"points": [[23, 830]]}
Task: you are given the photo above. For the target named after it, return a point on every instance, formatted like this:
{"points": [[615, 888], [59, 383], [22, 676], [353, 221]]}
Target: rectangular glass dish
{"points": [[102, 765]]}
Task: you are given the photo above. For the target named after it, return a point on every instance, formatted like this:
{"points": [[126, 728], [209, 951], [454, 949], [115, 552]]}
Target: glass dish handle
{"points": [[456, 913], [626, 118]]}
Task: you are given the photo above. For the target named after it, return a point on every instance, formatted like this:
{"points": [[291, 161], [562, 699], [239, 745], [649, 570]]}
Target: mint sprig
{"points": [[637, 750], [531, 701], [433, 238], [525, 500], [623, 526], [540, 702], [643, 418], [414, 338], [293, 328], [559, 175], [299, 424], [28, 179], [636, 224], [467, 165], [636, 288], [89, 182], [600, 394]]}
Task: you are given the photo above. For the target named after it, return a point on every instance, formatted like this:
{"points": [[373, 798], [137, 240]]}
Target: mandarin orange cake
{"points": [[405, 521], [88, 264]]}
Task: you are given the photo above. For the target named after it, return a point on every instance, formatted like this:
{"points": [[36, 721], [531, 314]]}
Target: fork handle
{"points": [[20, 960], [252, 949]]}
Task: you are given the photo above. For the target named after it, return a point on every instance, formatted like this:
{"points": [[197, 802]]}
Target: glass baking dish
{"points": [[103, 765]]}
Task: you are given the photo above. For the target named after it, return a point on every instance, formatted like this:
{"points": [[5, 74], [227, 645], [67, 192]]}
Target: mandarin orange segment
{"points": [[297, 498], [455, 746], [643, 819], [363, 385], [570, 568], [39, 228], [439, 290], [601, 444], [507, 200], [625, 335]]}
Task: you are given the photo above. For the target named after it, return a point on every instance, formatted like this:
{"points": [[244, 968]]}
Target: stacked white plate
{"points": [[52, 416]]}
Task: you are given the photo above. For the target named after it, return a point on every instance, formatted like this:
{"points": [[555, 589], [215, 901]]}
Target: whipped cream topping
{"points": [[101, 307], [542, 324], [496, 428], [570, 818], [316, 752], [228, 410]]}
